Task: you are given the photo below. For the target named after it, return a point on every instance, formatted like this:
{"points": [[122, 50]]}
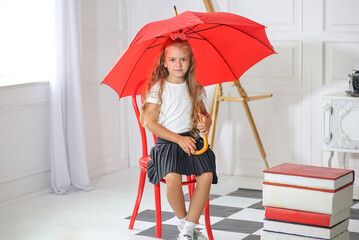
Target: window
{"points": [[26, 41]]}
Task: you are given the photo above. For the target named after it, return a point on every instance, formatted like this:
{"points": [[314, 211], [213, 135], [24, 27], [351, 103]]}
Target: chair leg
{"points": [[208, 221], [158, 210], [190, 187], [141, 186]]}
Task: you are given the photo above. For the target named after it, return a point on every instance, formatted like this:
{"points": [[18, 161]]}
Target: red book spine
{"points": [[289, 215]]}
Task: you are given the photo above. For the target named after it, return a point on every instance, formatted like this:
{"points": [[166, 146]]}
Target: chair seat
{"points": [[143, 161]]}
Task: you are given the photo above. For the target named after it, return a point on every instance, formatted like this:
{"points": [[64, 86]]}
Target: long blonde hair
{"points": [[160, 73]]}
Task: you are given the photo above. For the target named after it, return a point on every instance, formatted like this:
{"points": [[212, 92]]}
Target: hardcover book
{"points": [[306, 230], [308, 188], [311, 218], [308, 200], [268, 235], [309, 176]]}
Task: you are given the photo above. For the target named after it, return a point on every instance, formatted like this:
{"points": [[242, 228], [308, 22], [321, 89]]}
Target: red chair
{"points": [[191, 180]]}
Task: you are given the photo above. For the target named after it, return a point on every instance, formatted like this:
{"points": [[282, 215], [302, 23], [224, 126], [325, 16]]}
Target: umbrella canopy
{"points": [[225, 45]]}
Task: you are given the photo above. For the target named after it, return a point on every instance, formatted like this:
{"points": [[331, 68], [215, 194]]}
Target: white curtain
{"points": [[68, 155]]}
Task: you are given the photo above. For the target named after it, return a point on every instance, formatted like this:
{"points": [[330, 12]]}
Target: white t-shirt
{"points": [[175, 113]]}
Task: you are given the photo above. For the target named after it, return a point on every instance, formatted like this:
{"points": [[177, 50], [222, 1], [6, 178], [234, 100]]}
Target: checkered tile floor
{"points": [[237, 215]]}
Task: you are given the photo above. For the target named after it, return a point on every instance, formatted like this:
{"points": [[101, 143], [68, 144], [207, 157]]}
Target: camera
{"points": [[354, 82]]}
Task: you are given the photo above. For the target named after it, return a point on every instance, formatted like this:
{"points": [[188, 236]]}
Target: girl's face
{"points": [[177, 62]]}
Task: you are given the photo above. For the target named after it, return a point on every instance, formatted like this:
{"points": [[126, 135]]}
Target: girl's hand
{"points": [[188, 144], [204, 126]]}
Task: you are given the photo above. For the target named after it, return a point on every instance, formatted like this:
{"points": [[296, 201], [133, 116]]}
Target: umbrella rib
{"points": [[190, 29], [248, 35], [195, 38], [205, 29], [136, 65], [153, 46], [219, 25], [218, 53]]}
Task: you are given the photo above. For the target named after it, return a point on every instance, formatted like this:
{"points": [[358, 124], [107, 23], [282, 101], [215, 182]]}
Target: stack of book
{"points": [[307, 202]]}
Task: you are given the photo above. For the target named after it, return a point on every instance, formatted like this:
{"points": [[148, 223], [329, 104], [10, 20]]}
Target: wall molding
{"points": [[293, 22], [339, 60], [23, 186], [37, 183], [24, 96], [332, 24], [23, 106], [269, 72], [28, 175]]}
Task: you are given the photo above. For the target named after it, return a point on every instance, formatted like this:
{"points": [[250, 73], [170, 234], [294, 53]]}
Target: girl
{"points": [[170, 112]]}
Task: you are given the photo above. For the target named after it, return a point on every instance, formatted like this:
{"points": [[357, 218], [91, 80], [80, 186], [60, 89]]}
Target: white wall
{"points": [[24, 111], [106, 118], [24, 140], [317, 42]]}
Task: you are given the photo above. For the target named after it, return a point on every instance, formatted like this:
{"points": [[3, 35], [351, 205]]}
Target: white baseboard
{"points": [[24, 187], [39, 183], [107, 165]]}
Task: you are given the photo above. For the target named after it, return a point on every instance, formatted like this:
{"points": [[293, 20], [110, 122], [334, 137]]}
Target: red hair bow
{"points": [[177, 35]]}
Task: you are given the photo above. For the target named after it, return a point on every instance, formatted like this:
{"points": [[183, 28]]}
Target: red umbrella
{"points": [[224, 45]]}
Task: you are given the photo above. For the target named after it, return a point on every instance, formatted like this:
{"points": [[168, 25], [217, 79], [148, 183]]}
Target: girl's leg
{"points": [[174, 194], [200, 196]]}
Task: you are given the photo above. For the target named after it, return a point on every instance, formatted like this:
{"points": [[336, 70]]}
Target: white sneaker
{"points": [[182, 236], [197, 235]]}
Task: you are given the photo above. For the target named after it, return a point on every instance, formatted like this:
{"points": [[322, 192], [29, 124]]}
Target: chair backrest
{"points": [[137, 112]]}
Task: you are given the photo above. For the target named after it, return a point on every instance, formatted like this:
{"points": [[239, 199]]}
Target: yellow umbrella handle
{"points": [[205, 140]]}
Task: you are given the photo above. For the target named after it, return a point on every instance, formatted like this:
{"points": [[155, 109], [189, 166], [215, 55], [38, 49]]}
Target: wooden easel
{"points": [[218, 97]]}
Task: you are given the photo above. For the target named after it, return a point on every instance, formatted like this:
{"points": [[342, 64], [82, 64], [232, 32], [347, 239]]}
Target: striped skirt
{"points": [[168, 157]]}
